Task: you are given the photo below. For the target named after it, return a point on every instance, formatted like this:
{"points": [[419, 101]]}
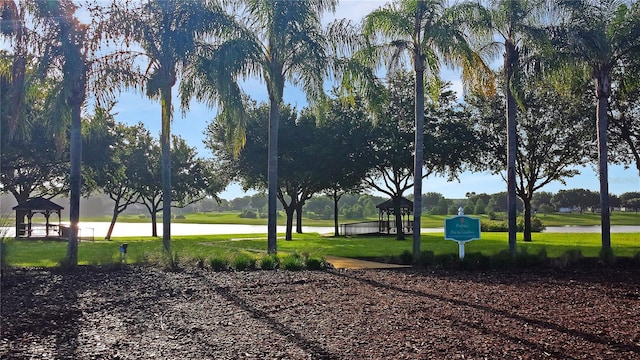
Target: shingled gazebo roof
{"points": [[38, 203], [404, 204]]}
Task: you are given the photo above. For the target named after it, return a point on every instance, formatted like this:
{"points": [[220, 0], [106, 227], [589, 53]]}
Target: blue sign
{"points": [[462, 228]]}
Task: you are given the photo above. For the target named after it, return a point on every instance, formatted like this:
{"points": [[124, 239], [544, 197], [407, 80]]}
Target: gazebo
{"points": [[28, 209], [386, 216]]}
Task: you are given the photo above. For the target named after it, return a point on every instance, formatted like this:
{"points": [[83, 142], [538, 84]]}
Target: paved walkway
{"points": [[348, 263]]}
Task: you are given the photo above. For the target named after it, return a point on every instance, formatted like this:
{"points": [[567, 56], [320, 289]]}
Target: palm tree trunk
{"points": [[166, 168], [75, 185], [510, 58], [272, 176], [603, 88], [419, 156]]}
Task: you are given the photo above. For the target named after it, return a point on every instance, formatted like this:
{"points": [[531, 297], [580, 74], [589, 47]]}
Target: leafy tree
{"points": [[427, 32], [13, 27], [449, 141], [349, 157], [430, 200], [301, 157], [579, 198], [631, 200], [553, 138], [32, 161], [281, 41], [595, 38], [624, 116], [194, 177], [129, 160], [168, 33]]}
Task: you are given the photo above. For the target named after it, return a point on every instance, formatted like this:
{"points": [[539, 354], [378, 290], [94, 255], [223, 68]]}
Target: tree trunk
{"points": [[527, 219], [114, 218], [272, 176], [336, 199], [289, 228], [510, 61], [166, 169], [154, 223], [398, 218], [419, 155], [603, 89], [299, 218]]}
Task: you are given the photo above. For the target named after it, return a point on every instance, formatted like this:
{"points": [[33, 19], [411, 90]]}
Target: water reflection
{"points": [[99, 229]]}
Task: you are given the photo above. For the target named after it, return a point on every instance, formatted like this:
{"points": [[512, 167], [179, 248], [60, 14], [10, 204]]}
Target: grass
{"points": [[51, 253]]}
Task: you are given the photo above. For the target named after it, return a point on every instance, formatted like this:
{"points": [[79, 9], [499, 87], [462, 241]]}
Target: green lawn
{"points": [[51, 253]]}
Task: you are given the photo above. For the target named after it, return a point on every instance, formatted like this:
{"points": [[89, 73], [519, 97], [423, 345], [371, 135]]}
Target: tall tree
{"points": [[511, 26], [282, 41], [168, 31], [597, 37], [66, 46], [428, 32], [553, 137]]}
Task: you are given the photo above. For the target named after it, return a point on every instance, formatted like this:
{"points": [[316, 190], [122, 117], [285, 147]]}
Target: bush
{"points": [[293, 262], [180, 217], [219, 263], [248, 214], [316, 263], [270, 262], [536, 224], [406, 257], [244, 261]]}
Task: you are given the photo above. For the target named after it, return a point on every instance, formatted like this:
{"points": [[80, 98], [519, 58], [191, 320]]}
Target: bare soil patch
{"points": [[145, 313]]}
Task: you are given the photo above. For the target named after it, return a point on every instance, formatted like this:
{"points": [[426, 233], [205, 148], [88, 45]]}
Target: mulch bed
{"points": [[144, 313]]}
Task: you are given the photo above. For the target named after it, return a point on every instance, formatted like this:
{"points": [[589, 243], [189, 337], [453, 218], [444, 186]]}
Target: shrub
{"points": [[406, 257], [316, 263], [244, 261], [248, 214], [569, 258], [536, 224], [180, 217], [493, 226], [293, 262], [269, 262], [219, 263]]}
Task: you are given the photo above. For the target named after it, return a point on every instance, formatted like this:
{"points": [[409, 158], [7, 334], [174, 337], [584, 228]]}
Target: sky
{"points": [[133, 107]]}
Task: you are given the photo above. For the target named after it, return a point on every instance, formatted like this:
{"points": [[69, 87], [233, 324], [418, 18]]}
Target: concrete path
{"points": [[348, 263]]}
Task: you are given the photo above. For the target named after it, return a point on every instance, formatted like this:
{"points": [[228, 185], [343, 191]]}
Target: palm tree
{"points": [[282, 41], [429, 32], [599, 37], [511, 26], [69, 51], [168, 31]]}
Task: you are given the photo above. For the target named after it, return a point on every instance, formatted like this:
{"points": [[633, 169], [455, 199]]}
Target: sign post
{"points": [[461, 229]]}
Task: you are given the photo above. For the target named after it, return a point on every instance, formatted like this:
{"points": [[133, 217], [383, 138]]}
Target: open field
{"points": [[50, 253]]}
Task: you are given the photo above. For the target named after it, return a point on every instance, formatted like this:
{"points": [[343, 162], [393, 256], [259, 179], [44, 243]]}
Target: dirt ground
{"points": [[145, 313]]}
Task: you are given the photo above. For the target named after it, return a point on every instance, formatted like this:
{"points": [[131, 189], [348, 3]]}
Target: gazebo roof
{"points": [[404, 204], [38, 203]]}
